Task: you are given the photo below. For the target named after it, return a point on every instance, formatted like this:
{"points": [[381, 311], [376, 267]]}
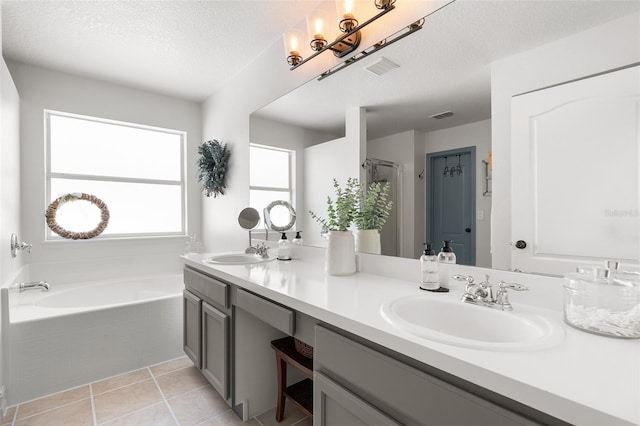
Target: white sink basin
{"points": [[237, 259], [458, 323]]}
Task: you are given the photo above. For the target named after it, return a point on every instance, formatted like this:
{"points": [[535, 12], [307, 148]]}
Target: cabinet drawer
{"points": [[401, 391], [267, 311], [211, 288]]}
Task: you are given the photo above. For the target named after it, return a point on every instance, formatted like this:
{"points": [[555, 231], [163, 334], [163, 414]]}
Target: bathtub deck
{"points": [[170, 393]]}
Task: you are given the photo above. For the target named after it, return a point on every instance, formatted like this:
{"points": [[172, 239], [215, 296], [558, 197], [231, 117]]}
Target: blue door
{"points": [[451, 202]]}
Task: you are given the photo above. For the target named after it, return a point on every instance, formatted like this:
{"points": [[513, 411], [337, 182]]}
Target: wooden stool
{"points": [[300, 393]]}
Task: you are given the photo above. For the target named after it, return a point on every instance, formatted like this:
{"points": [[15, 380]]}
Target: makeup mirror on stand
{"points": [[248, 219]]}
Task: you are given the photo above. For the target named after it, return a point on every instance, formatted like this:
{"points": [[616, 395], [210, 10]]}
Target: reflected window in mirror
{"points": [[137, 170], [270, 175]]}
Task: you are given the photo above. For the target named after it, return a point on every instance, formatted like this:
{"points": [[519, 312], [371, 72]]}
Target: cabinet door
{"points": [[215, 348], [334, 405], [191, 328]]}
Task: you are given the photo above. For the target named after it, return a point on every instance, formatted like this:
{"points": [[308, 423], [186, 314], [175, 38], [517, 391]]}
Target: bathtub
{"points": [[77, 333]]}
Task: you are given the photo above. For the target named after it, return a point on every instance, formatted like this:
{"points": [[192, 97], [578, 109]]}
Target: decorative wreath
{"points": [[267, 215], [52, 209], [212, 167]]}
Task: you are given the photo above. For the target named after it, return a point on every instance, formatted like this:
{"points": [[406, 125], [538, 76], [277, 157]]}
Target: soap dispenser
{"points": [[295, 244], [446, 258], [284, 248], [429, 269]]}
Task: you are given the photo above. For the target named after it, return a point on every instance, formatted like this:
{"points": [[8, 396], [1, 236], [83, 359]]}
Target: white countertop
{"points": [[585, 379]]}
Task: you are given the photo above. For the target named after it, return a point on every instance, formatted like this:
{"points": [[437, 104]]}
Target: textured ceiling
{"points": [[182, 48]]}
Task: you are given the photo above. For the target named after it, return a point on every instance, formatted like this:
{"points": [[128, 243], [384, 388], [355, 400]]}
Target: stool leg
{"points": [[282, 383]]}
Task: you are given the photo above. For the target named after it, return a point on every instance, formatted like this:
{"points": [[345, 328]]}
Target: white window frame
{"points": [[51, 236], [290, 188]]}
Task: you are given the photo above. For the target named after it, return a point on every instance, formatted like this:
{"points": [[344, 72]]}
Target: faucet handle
{"points": [[513, 286], [502, 299], [467, 278]]}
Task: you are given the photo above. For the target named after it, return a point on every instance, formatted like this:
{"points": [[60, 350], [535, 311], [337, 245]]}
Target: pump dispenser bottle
{"points": [[295, 245], [429, 269], [446, 258], [284, 248]]}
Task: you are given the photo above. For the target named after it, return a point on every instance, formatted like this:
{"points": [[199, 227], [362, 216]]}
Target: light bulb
{"points": [[293, 44], [348, 9]]}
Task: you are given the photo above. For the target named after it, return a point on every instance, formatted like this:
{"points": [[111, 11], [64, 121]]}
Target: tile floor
{"points": [[171, 393]]}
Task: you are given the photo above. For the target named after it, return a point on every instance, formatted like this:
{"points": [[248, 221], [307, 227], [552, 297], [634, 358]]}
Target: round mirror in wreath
{"points": [[279, 216], [72, 215]]}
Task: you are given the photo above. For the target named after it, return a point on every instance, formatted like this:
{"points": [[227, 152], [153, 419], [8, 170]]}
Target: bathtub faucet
{"points": [[33, 285]]}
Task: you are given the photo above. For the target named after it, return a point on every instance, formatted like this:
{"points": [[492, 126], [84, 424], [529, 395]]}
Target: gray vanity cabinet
{"points": [[207, 328], [215, 348], [192, 327], [355, 384]]}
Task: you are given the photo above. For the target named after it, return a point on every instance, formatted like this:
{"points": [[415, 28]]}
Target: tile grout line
{"points": [[15, 416], [164, 398], [213, 417], [51, 409], [93, 405]]}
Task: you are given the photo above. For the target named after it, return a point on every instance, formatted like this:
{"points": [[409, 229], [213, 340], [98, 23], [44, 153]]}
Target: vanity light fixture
{"points": [[317, 24]]}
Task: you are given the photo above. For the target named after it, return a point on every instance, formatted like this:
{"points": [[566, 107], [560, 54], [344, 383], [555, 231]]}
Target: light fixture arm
{"points": [[346, 36], [397, 36]]}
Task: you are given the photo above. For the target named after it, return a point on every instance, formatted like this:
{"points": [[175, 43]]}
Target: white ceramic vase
{"points": [[368, 241], [341, 253]]}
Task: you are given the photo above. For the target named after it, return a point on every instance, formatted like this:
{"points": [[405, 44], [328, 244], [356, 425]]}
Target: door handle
{"points": [[520, 244], [467, 230]]}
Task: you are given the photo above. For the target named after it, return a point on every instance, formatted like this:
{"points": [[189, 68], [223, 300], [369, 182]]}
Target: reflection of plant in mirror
{"points": [[212, 167], [373, 207], [341, 214]]}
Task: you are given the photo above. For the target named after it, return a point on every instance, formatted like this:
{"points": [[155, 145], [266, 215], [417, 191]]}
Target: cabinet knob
{"points": [[467, 230]]}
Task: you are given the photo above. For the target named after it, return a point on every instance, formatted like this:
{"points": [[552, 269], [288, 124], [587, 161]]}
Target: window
{"points": [[138, 171], [270, 176]]}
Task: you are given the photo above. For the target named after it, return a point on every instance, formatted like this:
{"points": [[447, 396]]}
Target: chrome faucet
{"points": [[43, 285], [482, 293]]}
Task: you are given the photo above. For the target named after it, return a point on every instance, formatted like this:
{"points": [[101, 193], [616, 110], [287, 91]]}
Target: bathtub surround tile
{"points": [[169, 366], [120, 381], [77, 413], [181, 381], [156, 415], [53, 401], [126, 400], [194, 407]]}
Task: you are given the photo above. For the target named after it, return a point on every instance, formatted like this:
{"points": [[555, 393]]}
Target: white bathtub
{"points": [[82, 332]]}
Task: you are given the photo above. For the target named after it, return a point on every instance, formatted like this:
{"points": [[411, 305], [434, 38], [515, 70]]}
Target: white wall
{"points": [[10, 177], [609, 46], [400, 149], [9, 188], [338, 159], [41, 89], [476, 134]]}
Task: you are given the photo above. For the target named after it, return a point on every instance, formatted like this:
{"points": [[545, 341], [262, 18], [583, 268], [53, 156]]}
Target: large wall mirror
{"points": [[449, 65]]}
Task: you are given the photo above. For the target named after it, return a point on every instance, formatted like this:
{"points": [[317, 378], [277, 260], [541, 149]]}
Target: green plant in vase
{"points": [[373, 206], [341, 212], [340, 256], [372, 211]]}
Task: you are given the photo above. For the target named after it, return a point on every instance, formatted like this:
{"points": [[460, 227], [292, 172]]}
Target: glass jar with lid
{"points": [[603, 300]]}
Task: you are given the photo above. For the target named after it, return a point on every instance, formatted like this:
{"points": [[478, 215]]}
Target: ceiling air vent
{"points": [[382, 66], [441, 115]]}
